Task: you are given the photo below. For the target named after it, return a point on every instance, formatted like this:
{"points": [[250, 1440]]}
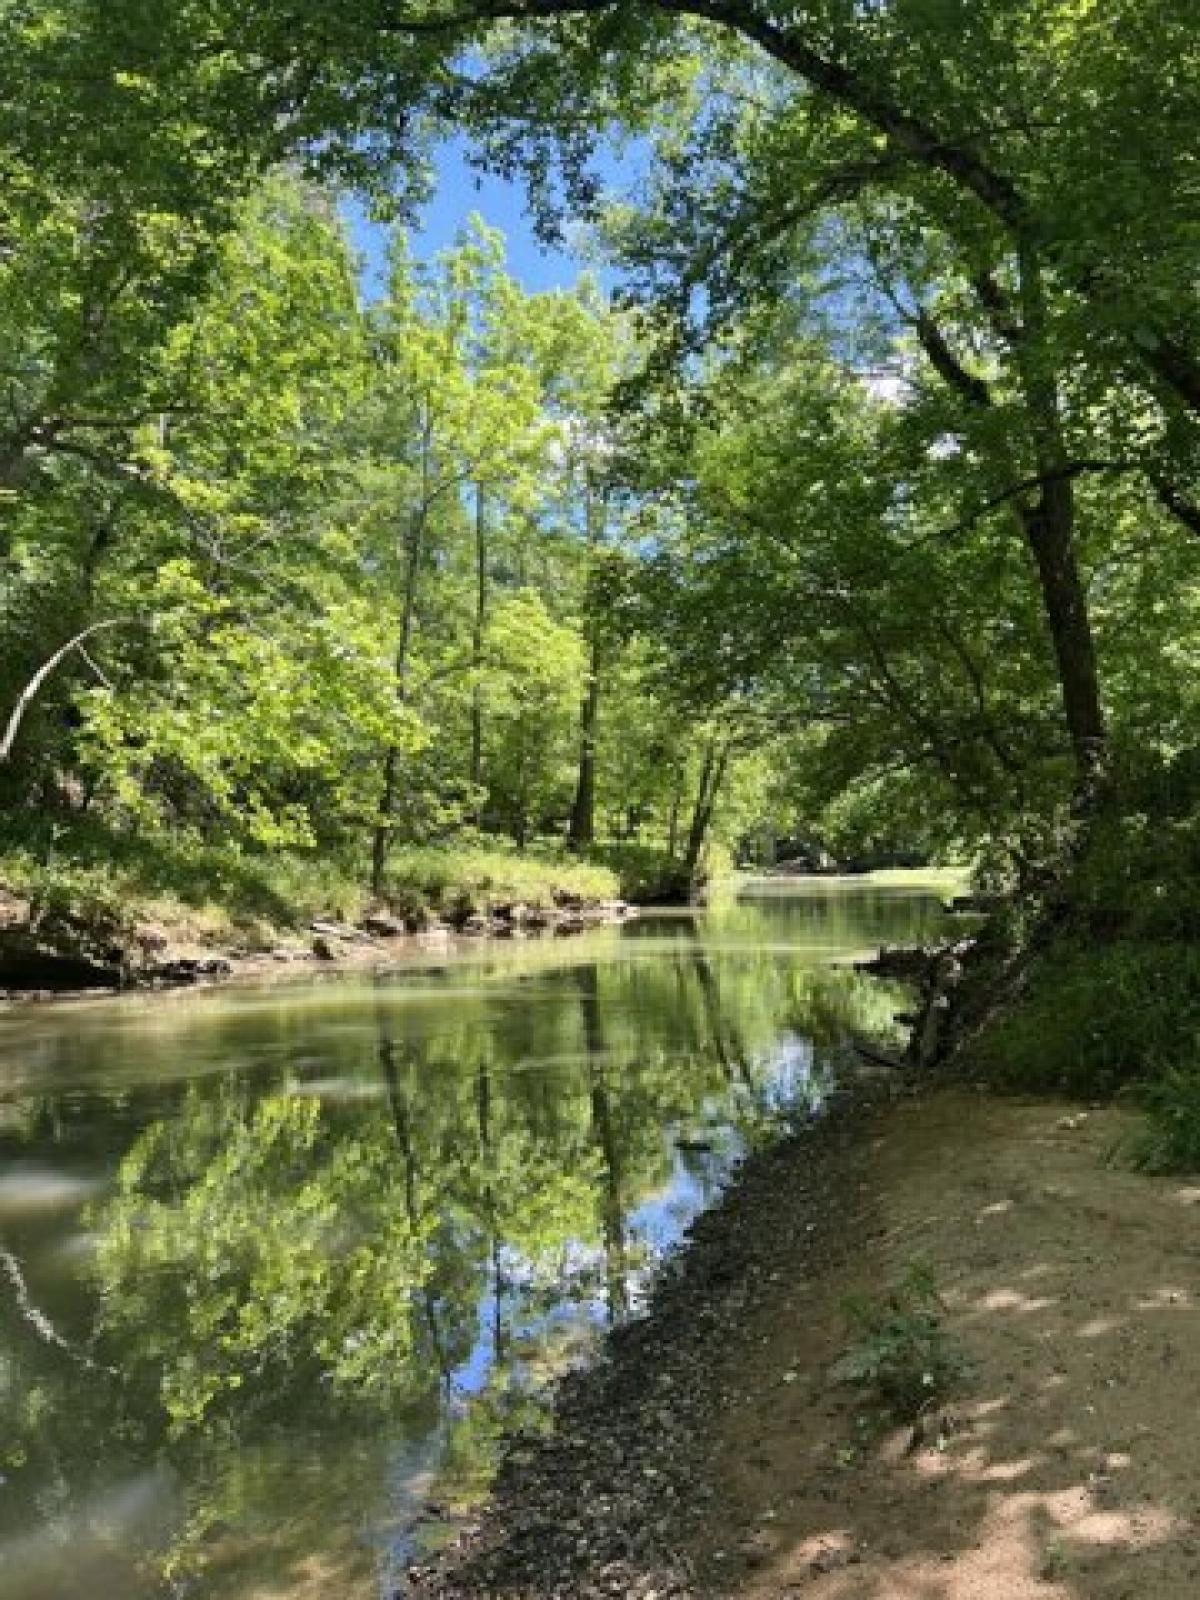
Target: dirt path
{"points": [[1070, 1464]]}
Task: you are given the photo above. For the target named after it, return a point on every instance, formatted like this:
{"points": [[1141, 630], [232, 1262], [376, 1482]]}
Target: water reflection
{"points": [[281, 1265]]}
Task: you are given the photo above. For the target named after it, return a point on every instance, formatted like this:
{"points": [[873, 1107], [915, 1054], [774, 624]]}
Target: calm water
{"points": [[279, 1265]]}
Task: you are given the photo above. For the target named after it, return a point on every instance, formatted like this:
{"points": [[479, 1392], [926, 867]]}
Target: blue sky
{"points": [[460, 191]]}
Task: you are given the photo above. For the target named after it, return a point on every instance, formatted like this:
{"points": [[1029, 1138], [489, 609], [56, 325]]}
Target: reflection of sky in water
{"points": [[662, 1049], [654, 1227]]}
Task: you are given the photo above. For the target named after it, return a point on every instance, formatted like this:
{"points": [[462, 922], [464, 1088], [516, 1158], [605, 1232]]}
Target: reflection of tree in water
{"points": [[255, 1252], [433, 1294], [612, 1208], [310, 1264]]}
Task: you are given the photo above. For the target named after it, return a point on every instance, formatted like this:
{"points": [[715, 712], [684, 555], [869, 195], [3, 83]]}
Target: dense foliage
{"points": [[875, 523], [345, 571]]}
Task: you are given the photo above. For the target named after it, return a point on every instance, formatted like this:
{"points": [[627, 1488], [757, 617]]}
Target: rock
{"points": [[189, 969], [382, 925], [324, 949], [151, 940], [832, 1560], [14, 912], [337, 930]]}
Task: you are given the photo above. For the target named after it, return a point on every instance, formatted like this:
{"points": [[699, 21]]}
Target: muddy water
{"points": [[279, 1266]]}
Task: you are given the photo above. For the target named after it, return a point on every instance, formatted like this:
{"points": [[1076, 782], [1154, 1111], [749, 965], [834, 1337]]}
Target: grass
{"points": [[647, 872], [465, 879], [207, 893], [1096, 1020], [944, 881]]}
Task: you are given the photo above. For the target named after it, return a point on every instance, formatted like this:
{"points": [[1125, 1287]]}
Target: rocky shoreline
{"points": [[612, 1501], [68, 956]]}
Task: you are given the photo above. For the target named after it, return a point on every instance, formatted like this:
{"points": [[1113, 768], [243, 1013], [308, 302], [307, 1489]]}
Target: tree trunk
{"points": [[402, 1123], [477, 651], [29, 693], [612, 1208], [1049, 526], [483, 1107], [712, 775], [1049, 531], [581, 830], [673, 814], [391, 760]]}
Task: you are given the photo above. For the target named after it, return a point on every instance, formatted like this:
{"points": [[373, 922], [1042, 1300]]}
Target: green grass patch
{"points": [[215, 893], [464, 879]]}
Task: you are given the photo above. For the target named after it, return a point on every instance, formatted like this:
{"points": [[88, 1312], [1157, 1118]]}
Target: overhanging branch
{"points": [[30, 692]]}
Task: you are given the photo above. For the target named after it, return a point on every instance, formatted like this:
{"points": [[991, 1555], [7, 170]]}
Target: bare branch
{"points": [[30, 691]]}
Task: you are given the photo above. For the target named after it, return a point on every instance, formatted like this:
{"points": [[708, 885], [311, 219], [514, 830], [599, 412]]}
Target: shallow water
{"points": [[279, 1265]]}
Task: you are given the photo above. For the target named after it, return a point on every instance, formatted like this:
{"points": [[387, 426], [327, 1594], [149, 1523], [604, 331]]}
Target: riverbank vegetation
{"points": [[338, 600], [865, 512]]}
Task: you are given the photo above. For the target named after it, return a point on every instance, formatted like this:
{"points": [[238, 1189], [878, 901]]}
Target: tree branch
{"points": [[1186, 511], [946, 364], [30, 691]]}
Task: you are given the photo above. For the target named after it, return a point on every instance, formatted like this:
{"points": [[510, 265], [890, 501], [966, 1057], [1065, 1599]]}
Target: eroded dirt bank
{"points": [[712, 1454]]}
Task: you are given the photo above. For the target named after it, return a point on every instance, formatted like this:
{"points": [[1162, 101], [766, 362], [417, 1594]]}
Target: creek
{"points": [[281, 1265]]}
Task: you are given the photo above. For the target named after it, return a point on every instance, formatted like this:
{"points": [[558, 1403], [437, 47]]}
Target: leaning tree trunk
{"points": [[712, 775], [1049, 525], [1048, 519]]}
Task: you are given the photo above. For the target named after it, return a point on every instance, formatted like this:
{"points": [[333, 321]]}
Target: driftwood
{"points": [[972, 905], [908, 963], [936, 972]]}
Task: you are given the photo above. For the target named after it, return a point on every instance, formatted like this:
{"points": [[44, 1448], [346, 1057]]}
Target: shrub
{"points": [[1095, 1019], [646, 872], [902, 1353], [1170, 1140]]}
